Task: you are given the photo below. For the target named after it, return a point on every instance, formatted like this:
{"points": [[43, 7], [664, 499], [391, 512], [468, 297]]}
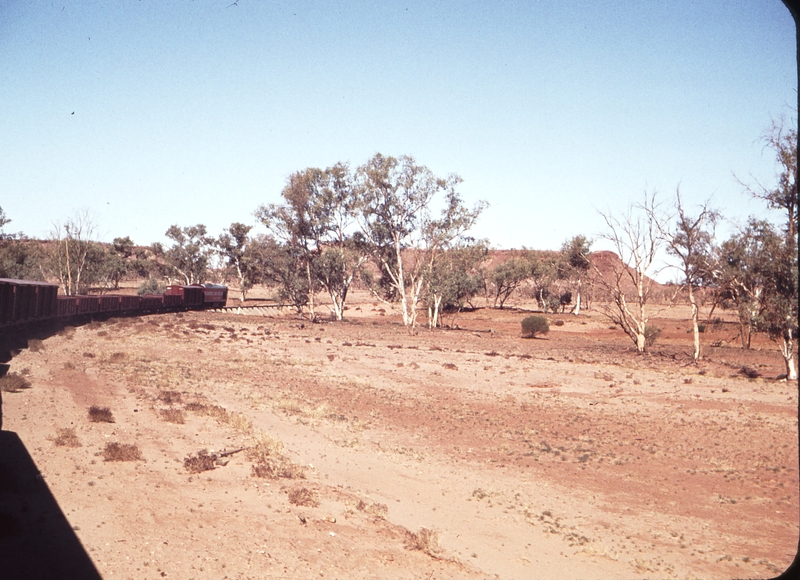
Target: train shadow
{"points": [[36, 540]]}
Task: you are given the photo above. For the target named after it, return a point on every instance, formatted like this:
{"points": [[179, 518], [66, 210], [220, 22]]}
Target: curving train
{"points": [[25, 302]]}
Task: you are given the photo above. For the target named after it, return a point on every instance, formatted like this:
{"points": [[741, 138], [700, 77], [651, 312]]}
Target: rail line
{"points": [[260, 310]]}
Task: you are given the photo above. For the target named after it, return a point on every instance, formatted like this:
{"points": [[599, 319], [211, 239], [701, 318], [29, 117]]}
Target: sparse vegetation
{"points": [[651, 334], [100, 415], [66, 438], [533, 325], [169, 397], [269, 462], [121, 452], [35, 345], [173, 416], [424, 540], [303, 496], [14, 383], [200, 462]]}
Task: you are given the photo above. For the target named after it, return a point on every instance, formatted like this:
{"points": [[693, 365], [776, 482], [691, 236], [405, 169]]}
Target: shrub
{"points": [[121, 452], [100, 415], [14, 383], [170, 397], [151, 286], [425, 540], [200, 462], [66, 438], [173, 416], [303, 496], [533, 325], [35, 345], [651, 334]]}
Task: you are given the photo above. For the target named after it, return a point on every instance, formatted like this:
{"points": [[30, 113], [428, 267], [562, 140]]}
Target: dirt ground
{"points": [[367, 452]]}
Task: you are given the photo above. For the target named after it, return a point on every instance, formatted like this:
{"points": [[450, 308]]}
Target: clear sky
{"points": [[152, 113]]}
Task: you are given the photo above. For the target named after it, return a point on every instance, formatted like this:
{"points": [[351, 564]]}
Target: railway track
{"points": [[260, 310]]}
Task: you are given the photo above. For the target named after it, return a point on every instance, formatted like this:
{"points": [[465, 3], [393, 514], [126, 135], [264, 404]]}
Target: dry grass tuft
{"points": [[200, 462], [169, 397], [66, 438], [14, 383], [117, 357], [35, 345], [122, 452], [303, 496], [213, 411], [379, 510], [425, 541], [172, 416], [269, 462], [100, 415]]}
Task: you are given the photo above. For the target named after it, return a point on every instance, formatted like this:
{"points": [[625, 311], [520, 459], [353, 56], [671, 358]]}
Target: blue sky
{"points": [[196, 112]]}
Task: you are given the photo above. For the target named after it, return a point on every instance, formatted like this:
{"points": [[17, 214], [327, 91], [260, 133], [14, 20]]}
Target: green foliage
{"points": [[454, 278], [507, 276], [151, 286], [314, 224], [651, 334], [238, 251], [20, 258], [533, 325], [189, 255], [284, 266], [394, 209]]}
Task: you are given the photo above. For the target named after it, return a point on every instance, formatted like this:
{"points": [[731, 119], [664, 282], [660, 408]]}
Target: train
{"points": [[24, 303]]}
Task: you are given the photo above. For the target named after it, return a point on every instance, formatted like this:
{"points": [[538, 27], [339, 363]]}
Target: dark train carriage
{"points": [[214, 295], [7, 292], [151, 302], [46, 296], [190, 296], [88, 304], [108, 302], [173, 301], [128, 303], [67, 306], [26, 300]]}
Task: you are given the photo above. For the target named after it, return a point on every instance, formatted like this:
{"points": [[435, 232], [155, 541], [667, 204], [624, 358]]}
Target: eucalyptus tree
{"points": [[72, 244], [575, 265], [397, 202], [317, 220], [779, 317], [507, 276], [690, 239], [637, 239], [236, 249], [454, 279], [189, 256]]}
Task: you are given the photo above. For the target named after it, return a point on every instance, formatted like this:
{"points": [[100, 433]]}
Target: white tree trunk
{"points": [[695, 325], [787, 350], [577, 309]]}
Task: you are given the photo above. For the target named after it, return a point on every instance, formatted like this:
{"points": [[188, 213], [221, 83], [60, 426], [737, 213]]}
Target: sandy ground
{"points": [[469, 453]]}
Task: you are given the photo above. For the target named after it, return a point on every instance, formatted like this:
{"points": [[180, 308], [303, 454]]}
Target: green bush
{"points": [[533, 325], [651, 333], [152, 286]]}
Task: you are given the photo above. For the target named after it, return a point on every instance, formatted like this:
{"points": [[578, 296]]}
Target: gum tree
{"points": [[316, 220], [780, 290], [636, 238], [189, 255], [576, 265], [690, 239], [396, 209]]}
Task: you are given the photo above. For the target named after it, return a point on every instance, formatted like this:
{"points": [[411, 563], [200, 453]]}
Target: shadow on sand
{"points": [[36, 540]]}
